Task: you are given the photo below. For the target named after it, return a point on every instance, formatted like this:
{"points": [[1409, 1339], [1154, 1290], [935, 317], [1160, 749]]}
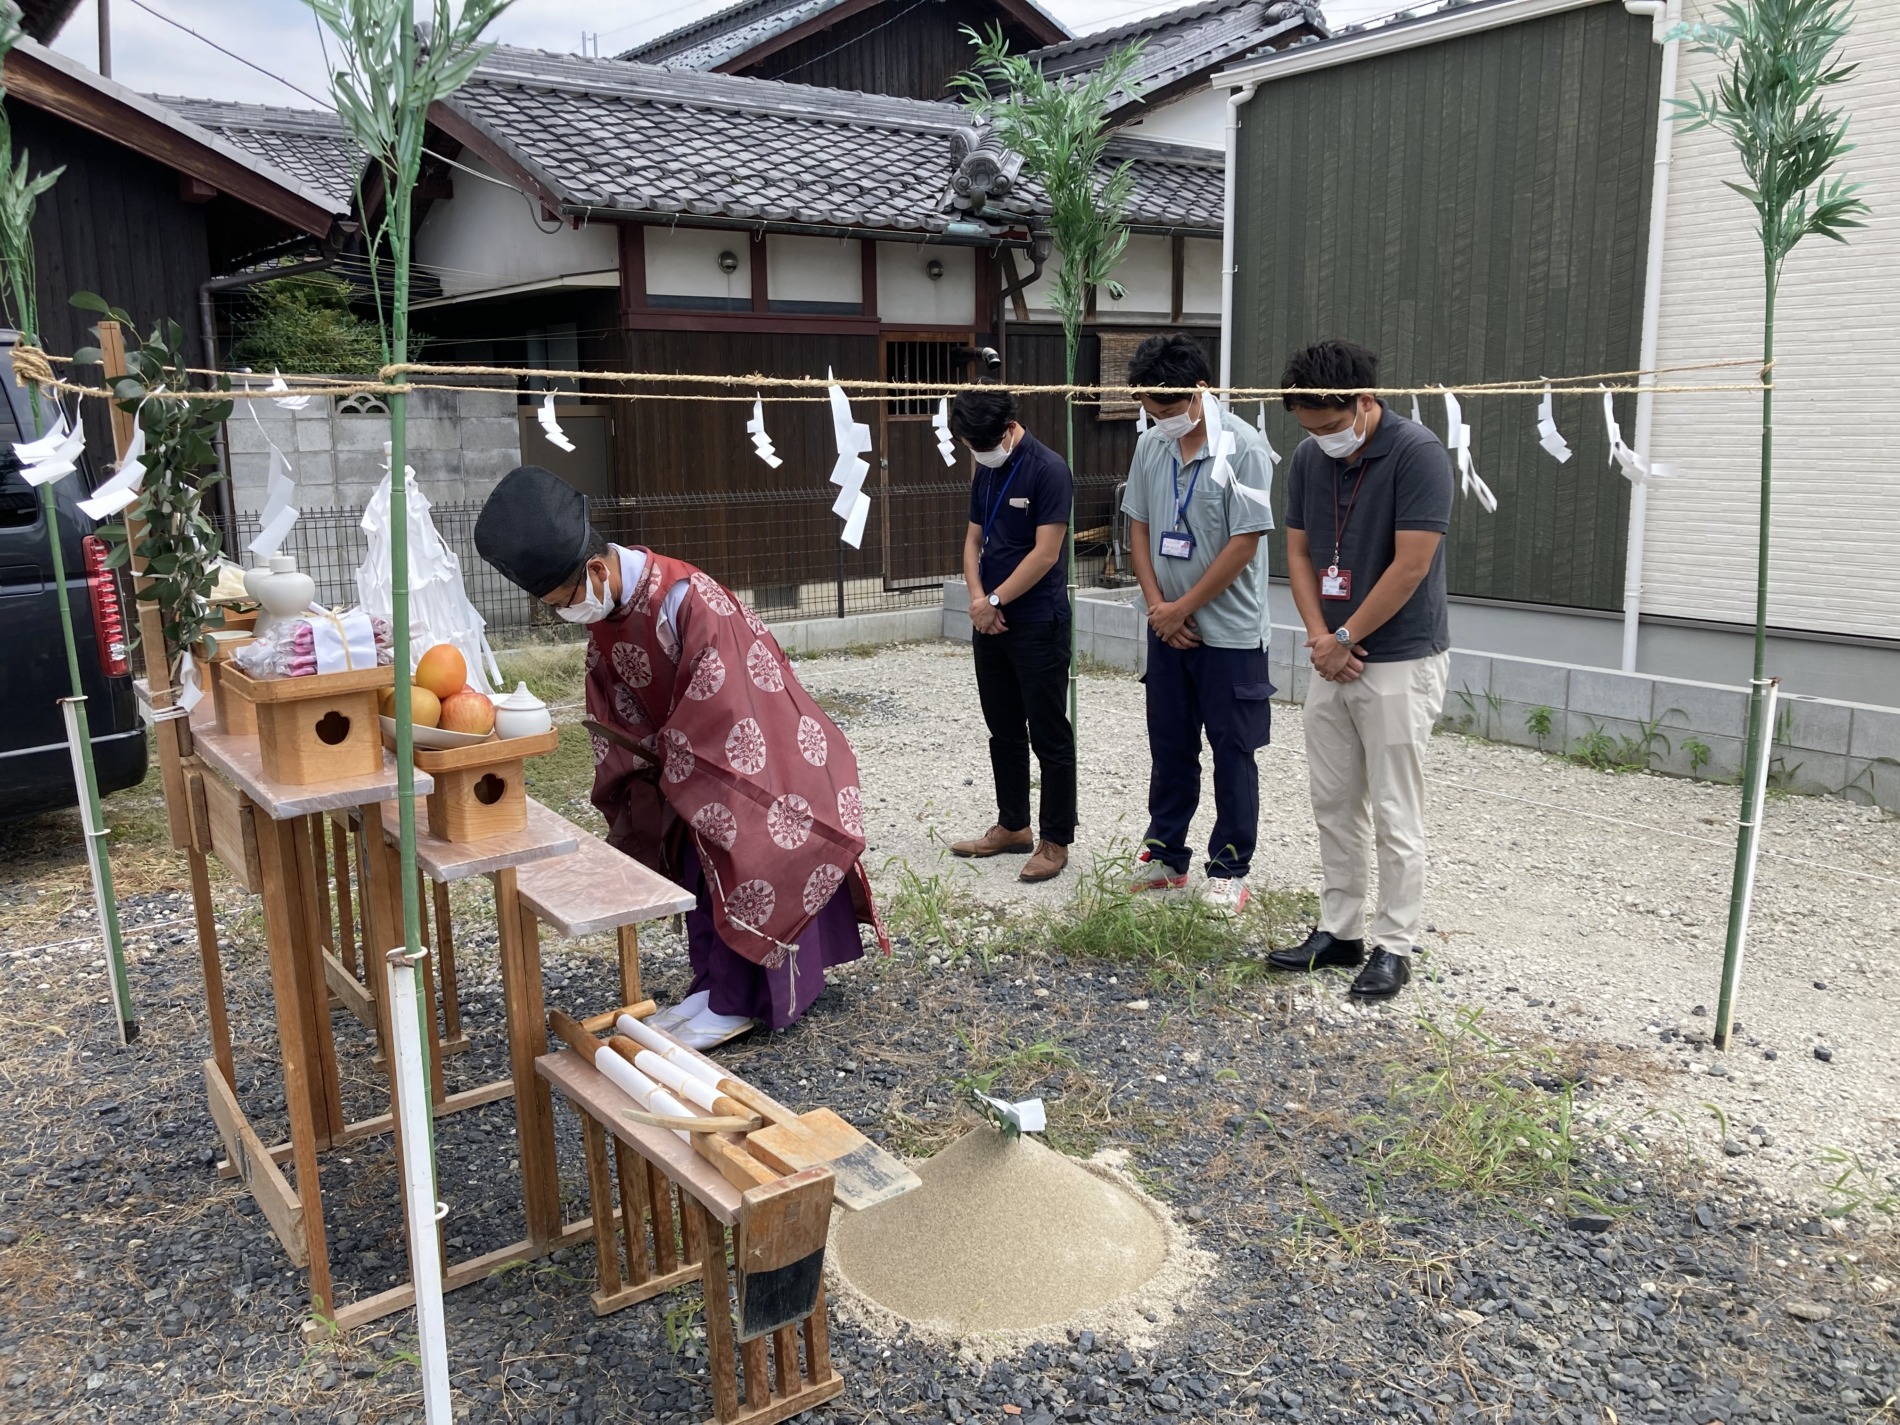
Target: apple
{"points": [[468, 711], [442, 670]]}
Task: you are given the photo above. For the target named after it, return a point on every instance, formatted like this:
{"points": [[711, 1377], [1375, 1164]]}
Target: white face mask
{"points": [[991, 459], [591, 609], [1342, 443], [1174, 427]]}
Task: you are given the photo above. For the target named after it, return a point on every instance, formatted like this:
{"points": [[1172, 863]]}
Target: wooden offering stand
{"points": [[661, 1184], [321, 728], [481, 790]]}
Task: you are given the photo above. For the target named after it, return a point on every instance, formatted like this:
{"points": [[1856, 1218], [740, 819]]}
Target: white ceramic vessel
{"points": [[521, 714], [280, 590]]}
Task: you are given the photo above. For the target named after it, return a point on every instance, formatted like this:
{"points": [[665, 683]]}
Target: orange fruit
{"points": [[425, 708], [442, 670]]}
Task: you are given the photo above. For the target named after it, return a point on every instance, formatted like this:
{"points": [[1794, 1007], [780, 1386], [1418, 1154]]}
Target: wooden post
{"points": [[707, 1239], [216, 1011], [452, 1034], [630, 964], [527, 1041]]}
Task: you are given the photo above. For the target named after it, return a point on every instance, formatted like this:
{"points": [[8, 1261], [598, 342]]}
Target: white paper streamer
{"points": [[946, 443], [1548, 435], [189, 688], [854, 440], [1417, 419], [1458, 439], [1638, 469], [112, 496], [550, 427], [53, 456], [1220, 445], [270, 538], [1141, 418], [1260, 424], [280, 489], [286, 401], [854, 527], [761, 442]]}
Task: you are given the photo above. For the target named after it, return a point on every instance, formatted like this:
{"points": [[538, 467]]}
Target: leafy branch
{"points": [[178, 545]]}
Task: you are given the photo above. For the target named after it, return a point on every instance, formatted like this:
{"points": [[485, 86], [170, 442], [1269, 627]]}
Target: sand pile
{"points": [[1010, 1236]]}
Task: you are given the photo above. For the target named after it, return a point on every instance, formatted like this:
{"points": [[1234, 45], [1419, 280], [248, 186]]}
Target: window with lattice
{"points": [[928, 363]]}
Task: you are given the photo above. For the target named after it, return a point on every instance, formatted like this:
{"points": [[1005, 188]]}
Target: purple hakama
{"points": [[774, 997]]}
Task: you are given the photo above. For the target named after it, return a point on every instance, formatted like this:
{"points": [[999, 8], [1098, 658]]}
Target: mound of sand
{"points": [[1004, 1235]]}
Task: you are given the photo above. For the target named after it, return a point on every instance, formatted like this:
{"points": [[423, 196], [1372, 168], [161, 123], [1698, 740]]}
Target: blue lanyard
{"points": [[1181, 501], [996, 505]]}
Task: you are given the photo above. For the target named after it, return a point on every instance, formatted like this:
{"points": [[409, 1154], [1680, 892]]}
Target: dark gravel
{"points": [[137, 1285]]}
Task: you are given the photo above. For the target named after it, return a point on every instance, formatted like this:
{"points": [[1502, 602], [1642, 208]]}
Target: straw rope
{"points": [[32, 365]]}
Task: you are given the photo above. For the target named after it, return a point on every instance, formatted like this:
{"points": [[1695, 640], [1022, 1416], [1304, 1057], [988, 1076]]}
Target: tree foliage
{"points": [[20, 193], [306, 324]]}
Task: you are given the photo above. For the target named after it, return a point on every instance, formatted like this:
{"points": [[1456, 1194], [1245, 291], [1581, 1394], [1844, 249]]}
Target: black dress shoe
{"points": [[1385, 975], [1319, 951]]}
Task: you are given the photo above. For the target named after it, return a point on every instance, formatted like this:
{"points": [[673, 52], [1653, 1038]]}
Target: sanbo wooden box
{"points": [[317, 729], [480, 791]]}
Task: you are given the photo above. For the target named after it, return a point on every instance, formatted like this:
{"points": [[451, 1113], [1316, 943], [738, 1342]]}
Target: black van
{"points": [[36, 770]]}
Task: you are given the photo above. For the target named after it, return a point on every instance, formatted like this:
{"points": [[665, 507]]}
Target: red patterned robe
{"points": [[751, 774]]}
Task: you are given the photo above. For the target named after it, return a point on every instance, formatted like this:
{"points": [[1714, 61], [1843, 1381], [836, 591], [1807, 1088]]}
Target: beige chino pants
{"points": [[1365, 755]]}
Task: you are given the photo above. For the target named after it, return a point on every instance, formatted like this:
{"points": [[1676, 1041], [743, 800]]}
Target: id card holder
{"points": [[1335, 583], [1177, 544]]}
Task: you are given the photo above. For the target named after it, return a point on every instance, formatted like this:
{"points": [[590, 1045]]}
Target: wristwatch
{"points": [[996, 601], [1344, 635]]}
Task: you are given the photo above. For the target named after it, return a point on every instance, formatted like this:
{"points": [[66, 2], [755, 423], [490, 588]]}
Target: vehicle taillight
{"points": [[108, 613]]}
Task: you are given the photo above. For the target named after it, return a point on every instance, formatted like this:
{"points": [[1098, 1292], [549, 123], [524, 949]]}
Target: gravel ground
{"points": [[136, 1285], [1586, 904]]}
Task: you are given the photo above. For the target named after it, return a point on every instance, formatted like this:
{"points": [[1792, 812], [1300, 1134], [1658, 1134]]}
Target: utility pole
{"points": [[105, 39]]}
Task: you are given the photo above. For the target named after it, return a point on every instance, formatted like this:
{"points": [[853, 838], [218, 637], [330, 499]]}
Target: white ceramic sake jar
{"points": [[521, 714], [280, 589]]}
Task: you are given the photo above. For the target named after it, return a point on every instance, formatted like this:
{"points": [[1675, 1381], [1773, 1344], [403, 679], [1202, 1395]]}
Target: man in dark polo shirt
{"points": [[1368, 504], [1019, 613]]}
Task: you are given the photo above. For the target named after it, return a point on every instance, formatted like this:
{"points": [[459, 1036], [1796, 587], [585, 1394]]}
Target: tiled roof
{"points": [[710, 42], [308, 144], [635, 137], [1183, 43], [638, 138]]}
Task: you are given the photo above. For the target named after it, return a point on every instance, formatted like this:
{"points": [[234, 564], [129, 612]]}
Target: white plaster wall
{"points": [[905, 292], [1199, 118], [1147, 271], [684, 262], [1200, 279], [487, 236], [813, 269], [1836, 520]]}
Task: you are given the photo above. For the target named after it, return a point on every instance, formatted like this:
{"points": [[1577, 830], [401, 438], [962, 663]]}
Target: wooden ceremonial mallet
{"points": [[779, 1250]]}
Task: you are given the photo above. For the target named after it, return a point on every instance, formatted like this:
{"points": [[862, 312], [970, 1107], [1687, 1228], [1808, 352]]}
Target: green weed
{"points": [[1699, 753], [1857, 1187], [1623, 752], [929, 907], [1537, 723]]}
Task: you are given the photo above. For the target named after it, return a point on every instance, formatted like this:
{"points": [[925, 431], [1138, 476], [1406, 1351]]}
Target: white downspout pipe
{"points": [[1234, 101], [1664, 16]]}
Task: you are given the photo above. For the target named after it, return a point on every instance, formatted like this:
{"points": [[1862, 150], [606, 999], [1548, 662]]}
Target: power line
{"points": [[232, 54]]}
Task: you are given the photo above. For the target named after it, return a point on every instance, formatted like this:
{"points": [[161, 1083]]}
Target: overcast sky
{"points": [[282, 36]]}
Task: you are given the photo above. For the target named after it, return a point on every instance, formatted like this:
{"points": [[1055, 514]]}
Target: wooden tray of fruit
{"points": [[445, 710]]}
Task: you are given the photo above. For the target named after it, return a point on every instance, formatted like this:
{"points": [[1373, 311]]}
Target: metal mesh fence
{"points": [[778, 550]]}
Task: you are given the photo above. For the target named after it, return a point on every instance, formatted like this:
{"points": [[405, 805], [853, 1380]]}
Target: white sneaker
{"points": [[1153, 875], [707, 1030], [1225, 895]]}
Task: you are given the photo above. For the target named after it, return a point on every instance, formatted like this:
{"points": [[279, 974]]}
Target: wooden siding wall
{"points": [[895, 48], [1473, 210], [1102, 448]]}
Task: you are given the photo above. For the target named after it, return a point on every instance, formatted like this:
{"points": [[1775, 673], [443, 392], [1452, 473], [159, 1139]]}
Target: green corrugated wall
{"points": [[1473, 210]]}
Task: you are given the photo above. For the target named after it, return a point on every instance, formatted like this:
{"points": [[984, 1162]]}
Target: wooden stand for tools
{"points": [[655, 1170]]}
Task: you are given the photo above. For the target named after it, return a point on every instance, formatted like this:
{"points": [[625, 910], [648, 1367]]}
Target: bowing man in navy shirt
{"points": [[1019, 612]]}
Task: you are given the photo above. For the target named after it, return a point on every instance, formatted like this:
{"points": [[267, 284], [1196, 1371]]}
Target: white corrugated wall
{"points": [[1835, 560]]}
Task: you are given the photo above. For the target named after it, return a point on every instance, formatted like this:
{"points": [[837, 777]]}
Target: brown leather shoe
{"points": [[997, 842], [1046, 864]]}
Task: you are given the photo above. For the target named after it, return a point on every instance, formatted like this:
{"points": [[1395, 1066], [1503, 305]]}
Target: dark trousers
{"points": [[1224, 692], [1022, 680]]}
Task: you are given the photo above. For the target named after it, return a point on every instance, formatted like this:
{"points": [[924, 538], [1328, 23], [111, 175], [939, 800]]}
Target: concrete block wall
{"points": [[460, 444], [1822, 746]]}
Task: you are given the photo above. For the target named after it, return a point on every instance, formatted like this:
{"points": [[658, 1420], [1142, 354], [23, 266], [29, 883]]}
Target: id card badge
{"points": [[1335, 583], [1177, 544]]}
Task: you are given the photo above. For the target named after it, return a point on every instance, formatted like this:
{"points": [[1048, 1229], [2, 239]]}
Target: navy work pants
{"points": [[1225, 693]]}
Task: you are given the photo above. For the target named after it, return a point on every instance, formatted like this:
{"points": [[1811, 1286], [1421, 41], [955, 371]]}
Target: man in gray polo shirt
{"points": [[1368, 505], [1198, 555]]}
